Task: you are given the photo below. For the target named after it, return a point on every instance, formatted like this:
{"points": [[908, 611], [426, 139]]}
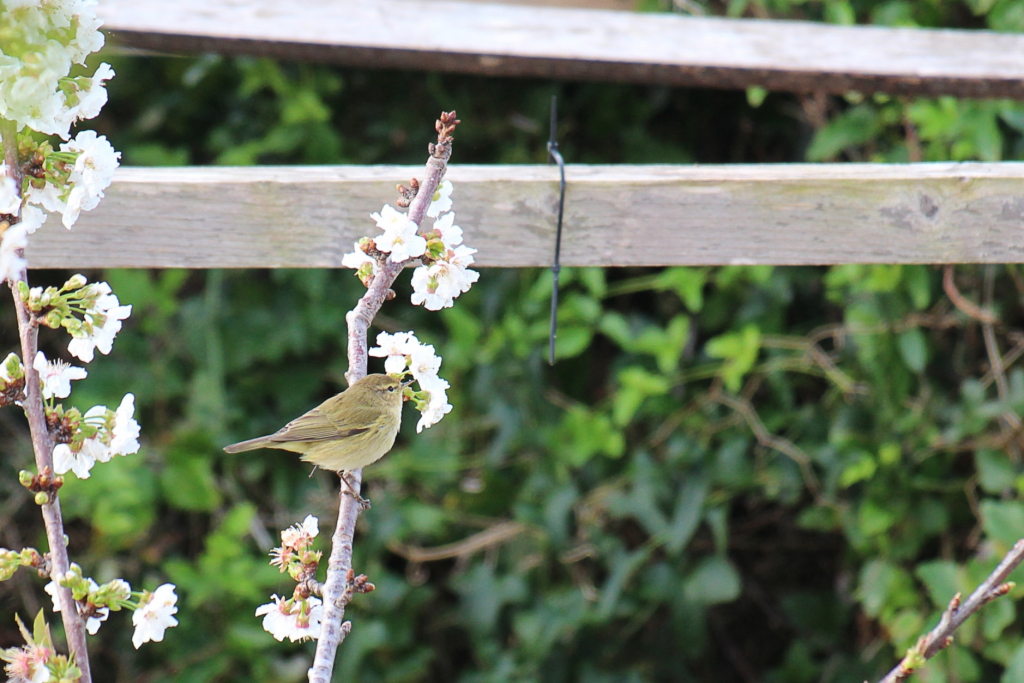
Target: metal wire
{"points": [[554, 156]]}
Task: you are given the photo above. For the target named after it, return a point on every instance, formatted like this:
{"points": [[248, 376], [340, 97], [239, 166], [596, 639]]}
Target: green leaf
{"points": [[840, 12], [863, 467], [914, 349], [484, 594], [571, 341], [689, 505], [1014, 672], [884, 586], [713, 581], [996, 616], [615, 326], [636, 385], [943, 580], [996, 473], [755, 96], [594, 280], [1003, 520], [187, 482], [688, 283], [873, 519], [854, 127], [585, 433], [739, 350], [40, 630]]}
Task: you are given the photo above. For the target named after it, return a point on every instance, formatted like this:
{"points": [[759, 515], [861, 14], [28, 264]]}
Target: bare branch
{"points": [[957, 613], [42, 444], [488, 538], [746, 410], [337, 589], [961, 302]]}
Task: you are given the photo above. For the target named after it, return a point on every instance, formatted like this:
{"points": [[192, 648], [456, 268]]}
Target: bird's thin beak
{"points": [[405, 384]]}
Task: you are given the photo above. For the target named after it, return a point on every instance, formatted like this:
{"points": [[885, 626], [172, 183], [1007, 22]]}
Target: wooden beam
{"points": [[582, 44], [273, 217]]}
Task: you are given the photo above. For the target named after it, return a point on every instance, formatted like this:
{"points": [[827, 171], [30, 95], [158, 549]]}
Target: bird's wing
{"points": [[315, 426]]}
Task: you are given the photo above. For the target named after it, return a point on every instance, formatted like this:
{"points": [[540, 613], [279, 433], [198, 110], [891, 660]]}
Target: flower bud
{"points": [[23, 290], [42, 498], [25, 478], [12, 367], [53, 319], [77, 281]]}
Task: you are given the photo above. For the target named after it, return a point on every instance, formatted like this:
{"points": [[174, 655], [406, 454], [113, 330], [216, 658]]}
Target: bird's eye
{"points": [[391, 390]]}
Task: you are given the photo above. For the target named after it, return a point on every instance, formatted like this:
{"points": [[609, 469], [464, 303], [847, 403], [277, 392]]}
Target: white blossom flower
{"points": [[357, 258], [154, 615], [400, 238], [395, 348], [442, 200], [451, 234], [33, 100], [66, 460], [437, 405], [96, 449], [126, 430], [95, 446], [92, 98], [56, 376], [10, 201], [93, 623], [295, 619], [88, 38], [102, 323], [47, 196], [96, 163], [424, 363], [93, 172], [301, 535], [436, 286], [73, 207], [12, 263], [51, 590], [31, 219]]}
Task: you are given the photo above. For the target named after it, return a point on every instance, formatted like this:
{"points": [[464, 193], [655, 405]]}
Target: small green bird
{"points": [[346, 432]]}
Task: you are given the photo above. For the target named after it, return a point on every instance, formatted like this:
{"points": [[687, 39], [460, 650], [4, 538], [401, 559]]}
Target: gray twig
{"points": [[335, 596], [42, 444], [957, 613]]}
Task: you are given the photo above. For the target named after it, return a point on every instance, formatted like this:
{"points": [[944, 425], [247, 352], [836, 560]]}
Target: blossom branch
{"points": [[957, 613], [42, 444], [338, 588]]}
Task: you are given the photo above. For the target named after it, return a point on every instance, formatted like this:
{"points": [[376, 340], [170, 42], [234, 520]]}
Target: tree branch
{"points": [[956, 614], [42, 444], [335, 596]]}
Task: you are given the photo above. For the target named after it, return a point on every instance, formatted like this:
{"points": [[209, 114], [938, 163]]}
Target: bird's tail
{"points": [[250, 445]]}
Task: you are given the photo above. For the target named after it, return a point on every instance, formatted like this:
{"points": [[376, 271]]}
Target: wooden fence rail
{"points": [[550, 42], [302, 216]]}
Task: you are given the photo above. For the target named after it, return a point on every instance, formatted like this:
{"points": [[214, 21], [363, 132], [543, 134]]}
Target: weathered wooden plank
{"points": [[615, 215], [553, 42]]}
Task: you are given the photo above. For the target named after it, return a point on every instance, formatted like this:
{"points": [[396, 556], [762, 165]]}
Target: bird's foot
{"points": [[363, 503]]}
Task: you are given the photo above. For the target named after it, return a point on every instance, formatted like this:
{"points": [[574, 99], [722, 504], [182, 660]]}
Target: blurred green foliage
{"points": [[731, 474]]}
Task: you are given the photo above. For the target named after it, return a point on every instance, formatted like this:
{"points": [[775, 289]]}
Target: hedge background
{"points": [[731, 475]]}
